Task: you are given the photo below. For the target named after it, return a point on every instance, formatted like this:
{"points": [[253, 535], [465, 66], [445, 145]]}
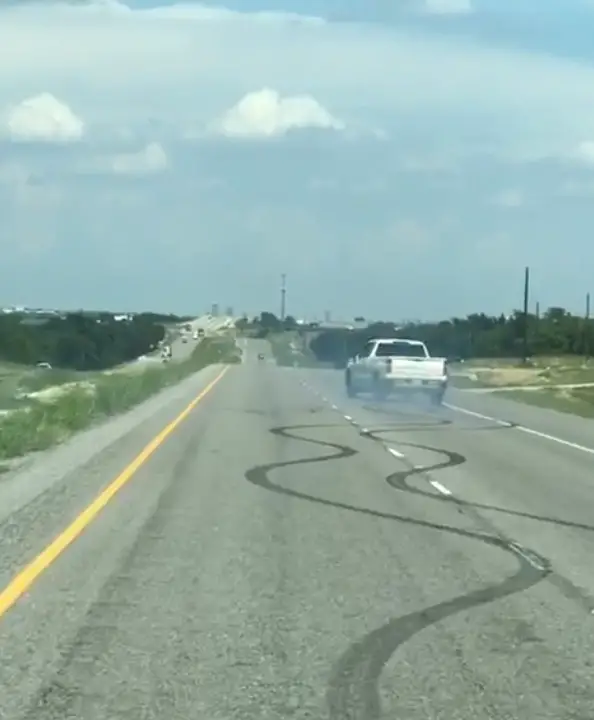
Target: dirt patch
{"points": [[499, 377], [566, 394], [51, 393]]}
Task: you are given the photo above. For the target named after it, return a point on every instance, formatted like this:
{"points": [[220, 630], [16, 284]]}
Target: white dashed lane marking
{"points": [[395, 453], [440, 488]]}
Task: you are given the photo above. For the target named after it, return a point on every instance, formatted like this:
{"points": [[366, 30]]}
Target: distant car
{"points": [[44, 366], [184, 339], [260, 356]]}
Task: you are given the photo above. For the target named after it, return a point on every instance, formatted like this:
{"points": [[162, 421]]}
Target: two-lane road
{"points": [[283, 554]]}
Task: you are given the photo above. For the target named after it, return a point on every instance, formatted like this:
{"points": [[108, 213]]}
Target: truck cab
{"points": [[397, 366]]}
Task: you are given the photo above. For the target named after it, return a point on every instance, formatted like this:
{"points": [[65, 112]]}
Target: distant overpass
{"points": [[314, 325]]}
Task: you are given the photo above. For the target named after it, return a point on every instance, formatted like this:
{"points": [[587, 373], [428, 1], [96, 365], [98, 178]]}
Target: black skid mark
{"points": [[353, 689], [400, 480], [259, 476], [353, 692]]}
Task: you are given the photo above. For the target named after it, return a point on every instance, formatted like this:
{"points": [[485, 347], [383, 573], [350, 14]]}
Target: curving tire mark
{"points": [[353, 692], [400, 480]]}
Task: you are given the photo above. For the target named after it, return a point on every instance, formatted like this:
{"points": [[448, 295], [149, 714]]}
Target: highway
{"points": [[212, 325], [285, 552]]}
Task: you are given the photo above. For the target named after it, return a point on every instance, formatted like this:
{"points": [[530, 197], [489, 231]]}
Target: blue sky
{"points": [[396, 159]]}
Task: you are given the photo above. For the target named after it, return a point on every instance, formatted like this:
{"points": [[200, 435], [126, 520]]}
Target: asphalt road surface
{"points": [[289, 553]]}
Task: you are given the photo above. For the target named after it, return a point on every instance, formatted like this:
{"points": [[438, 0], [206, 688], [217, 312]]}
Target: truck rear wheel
{"points": [[380, 389], [437, 398], [351, 391]]}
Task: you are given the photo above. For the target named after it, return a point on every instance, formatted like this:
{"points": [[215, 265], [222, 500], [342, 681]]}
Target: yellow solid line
{"points": [[23, 581]]}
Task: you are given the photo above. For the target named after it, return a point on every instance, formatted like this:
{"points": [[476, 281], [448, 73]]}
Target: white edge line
{"points": [[395, 453], [478, 415], [440, 488], [553, 438], [524, 429]]}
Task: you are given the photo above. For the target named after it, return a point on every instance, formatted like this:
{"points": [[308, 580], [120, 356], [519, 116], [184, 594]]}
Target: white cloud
{"points": [[584, 153], [574, 188], [435, 162], [121, 66], [14, 174], [43, 118], [510, 198], [265, 114], [135, 84], [448, 7], [409, 235], [149, 160], [200, 12]]}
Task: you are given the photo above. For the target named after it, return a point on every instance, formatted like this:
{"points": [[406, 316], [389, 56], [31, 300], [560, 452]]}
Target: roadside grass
{"points": [[537, 361], [576, 401], [540, 383], [549, 371], [464, 381], [16, 381], [37, 380], [43, 424], [288, 351]]}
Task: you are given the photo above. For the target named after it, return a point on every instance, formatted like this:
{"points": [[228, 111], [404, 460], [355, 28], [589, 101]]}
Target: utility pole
{"points": [[587, 328], [538, 311], [525, 323], [283, 296]]}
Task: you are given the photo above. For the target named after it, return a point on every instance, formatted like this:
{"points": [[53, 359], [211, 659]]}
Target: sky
{"points": [[396, 159]]}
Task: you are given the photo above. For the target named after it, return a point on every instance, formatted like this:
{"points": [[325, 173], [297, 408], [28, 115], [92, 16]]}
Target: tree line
{"points": [[478, 335], [80, 341], [265, 323]]}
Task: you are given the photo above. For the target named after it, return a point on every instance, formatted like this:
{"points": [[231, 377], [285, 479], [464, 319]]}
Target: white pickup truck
{"points": [[397, 366]]}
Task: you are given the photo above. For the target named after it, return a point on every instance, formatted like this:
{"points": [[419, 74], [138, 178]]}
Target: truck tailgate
{"points": [[415, 369]]}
